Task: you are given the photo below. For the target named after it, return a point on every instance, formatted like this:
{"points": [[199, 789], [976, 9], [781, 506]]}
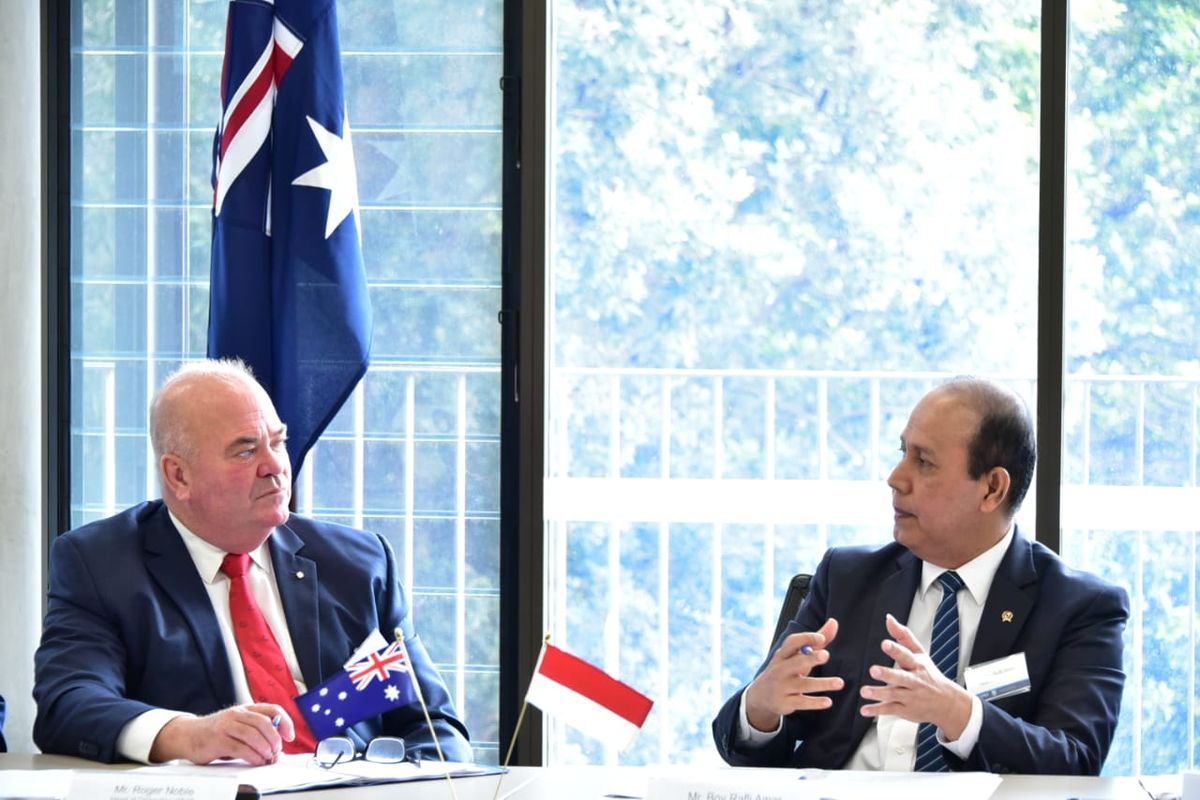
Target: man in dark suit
{"points": [[850, 683], [139, 659]]}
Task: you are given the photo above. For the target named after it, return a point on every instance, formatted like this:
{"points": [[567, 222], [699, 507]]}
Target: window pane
{"points": [[1133, 354], [774, 226], [414, 455]]}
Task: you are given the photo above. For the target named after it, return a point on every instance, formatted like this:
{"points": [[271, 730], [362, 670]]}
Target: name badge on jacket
{"points": [[1002, 677]]}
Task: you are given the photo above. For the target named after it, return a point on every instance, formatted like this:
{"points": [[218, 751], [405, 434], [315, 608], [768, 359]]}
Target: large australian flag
{"points": [[288, 291]]}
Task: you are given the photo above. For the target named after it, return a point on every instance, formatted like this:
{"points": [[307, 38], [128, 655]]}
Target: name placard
{"points": [[97, 785], [681, 788], [805, 784]]}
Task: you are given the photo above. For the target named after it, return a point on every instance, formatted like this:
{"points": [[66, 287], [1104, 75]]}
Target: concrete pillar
{"points": [[21, 376]]}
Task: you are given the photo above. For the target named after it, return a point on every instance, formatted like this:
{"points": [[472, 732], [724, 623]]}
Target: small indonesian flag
{"points": [[587, 698]]}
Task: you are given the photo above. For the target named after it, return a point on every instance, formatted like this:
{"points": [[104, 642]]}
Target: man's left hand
{"points": [[915, 689]]}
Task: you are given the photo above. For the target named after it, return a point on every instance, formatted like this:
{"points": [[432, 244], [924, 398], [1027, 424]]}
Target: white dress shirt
{"points": [[891, 743], [137, 737]]}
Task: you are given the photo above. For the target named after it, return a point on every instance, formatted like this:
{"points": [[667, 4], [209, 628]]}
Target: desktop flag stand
{"points": [[584, 697], [375, 683], [587, 698]]}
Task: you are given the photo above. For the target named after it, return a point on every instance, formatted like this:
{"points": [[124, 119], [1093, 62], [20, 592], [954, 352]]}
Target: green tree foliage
{"points": [[805, 185], [854, 185]]}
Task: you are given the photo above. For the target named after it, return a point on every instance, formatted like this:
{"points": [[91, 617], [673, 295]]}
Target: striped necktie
{"points": [[943, 649]]}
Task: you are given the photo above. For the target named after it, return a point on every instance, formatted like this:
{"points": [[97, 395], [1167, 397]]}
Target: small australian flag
{"points": [[377, 683]]}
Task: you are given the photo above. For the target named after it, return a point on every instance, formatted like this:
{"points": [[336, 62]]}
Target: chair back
{"points": [[796, 592]]}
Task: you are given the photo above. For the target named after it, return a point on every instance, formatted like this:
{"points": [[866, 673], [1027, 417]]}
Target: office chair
{"points": [[796, 592]]}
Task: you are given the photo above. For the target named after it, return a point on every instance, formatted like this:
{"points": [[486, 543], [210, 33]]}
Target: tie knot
{"points": [[235, 564], [949, 580]]}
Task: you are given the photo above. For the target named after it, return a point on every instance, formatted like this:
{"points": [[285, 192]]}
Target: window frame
{"points": [[522, 316], [62, 23], [528, 618], [56, 253]]}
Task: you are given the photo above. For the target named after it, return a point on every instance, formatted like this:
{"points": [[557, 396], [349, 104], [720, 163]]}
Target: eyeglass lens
{"points": [[333, 750], [385, 750]]}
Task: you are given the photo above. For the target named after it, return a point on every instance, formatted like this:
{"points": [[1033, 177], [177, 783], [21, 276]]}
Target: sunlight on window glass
{"points": [[414, 455], [774, 226], [1133, 353]]}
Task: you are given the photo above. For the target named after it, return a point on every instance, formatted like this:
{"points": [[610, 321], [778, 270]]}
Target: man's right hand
{"points": [[785, 686], [243, 732]]}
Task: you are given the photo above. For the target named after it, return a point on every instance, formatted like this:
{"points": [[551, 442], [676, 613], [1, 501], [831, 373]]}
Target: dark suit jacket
{"points": [[1069, 625], [129, 627], [3, 744]]}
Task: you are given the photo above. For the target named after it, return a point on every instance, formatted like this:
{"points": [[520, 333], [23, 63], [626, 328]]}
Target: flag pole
{"points": [[520, 718], [399, 634]]}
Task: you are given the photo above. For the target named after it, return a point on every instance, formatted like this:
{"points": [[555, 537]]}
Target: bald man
{"points": [[139, 659]]}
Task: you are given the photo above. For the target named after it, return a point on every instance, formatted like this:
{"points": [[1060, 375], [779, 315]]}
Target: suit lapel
{"points": [[170, 564], [1009, 602], [895, 596], [296, 577]]}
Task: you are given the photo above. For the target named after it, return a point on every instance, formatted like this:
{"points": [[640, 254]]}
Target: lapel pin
{"points": [[300, 576], [1006, 616]]}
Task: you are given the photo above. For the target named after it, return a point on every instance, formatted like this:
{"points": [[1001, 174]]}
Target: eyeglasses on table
{"points": [[380, 750]]}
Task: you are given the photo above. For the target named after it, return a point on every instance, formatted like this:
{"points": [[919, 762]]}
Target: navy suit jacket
{"points": [[130, 627], [1069, 625]]}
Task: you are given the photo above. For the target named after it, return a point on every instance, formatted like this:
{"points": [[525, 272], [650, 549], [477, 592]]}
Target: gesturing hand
{"points": [[785, 686], [915, 689]]}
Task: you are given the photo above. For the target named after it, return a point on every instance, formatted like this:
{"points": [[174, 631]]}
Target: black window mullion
{"points": [[1051, 249], [523, 386], [57, 161]]}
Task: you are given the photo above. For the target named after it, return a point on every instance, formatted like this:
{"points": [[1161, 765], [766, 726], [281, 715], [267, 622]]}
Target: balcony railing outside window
{"points": [[414, 455], [688, 498]]}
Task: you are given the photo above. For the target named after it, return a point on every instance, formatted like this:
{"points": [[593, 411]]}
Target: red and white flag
{"points": [[587, 698]]}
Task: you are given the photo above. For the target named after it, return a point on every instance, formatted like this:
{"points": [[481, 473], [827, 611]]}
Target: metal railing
{"points": [[713, 448], [629, 476], [118, 467]]}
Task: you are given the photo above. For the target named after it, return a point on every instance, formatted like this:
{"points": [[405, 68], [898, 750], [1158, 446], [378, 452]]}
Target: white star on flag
{"points": [[337, 174], [391, 693]]}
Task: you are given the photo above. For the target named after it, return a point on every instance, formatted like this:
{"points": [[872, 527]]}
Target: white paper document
{"points": [[295, 772]]}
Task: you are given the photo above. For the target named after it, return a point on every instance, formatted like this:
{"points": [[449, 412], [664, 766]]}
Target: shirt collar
{"points": [[208, 557], [977, 573]]}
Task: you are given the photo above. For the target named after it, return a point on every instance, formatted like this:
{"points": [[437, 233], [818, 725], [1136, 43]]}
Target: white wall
{"points": [[21, 466]]}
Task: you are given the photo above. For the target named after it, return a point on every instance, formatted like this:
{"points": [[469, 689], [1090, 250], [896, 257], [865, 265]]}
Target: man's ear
{"points": [[997, 482], [175, 476]]}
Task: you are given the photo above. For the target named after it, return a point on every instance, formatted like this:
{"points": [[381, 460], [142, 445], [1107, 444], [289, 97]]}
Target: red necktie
{"points": [[267, 672]]}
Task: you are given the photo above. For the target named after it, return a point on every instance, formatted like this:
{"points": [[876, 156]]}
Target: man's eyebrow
{"points": [[923, 449], [240, 442]]}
